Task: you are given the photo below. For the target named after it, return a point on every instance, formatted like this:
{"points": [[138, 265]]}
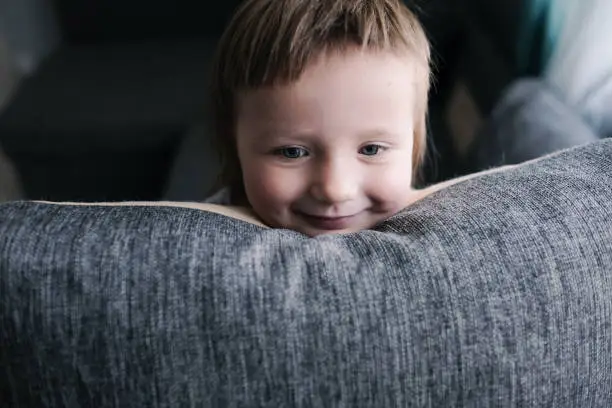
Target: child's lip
{"points": [[328, 217], [328, 222]]}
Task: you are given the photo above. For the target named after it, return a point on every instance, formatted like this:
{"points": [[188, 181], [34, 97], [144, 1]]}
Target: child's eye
{"points": [[371, 150], [292, 152]]}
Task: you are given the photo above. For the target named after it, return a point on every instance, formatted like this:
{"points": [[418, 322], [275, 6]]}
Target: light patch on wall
{"points": [[463, 117]]}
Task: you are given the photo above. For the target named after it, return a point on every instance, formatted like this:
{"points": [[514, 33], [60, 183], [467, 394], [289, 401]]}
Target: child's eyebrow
{"points": [[381, 133], [285, 134], [370, 134]]}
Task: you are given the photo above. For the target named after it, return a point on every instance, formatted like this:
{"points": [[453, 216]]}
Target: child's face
{"points": [[332, 152]]}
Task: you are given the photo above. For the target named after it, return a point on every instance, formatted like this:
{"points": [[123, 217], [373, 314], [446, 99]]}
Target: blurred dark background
{"points": [[106, 99]]}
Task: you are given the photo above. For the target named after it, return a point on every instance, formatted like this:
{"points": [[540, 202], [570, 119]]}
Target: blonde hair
{"points": [[272, 42]]}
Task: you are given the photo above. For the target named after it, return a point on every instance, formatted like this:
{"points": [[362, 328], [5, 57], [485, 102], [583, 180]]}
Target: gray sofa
{"points": [[496, 292]]}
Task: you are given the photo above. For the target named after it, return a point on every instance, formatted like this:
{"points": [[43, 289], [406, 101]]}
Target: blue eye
{"points": [[370, 150], [292, 152]]}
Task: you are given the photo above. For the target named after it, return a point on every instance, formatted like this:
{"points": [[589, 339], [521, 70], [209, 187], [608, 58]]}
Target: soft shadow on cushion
{"points": [[494, 292]]}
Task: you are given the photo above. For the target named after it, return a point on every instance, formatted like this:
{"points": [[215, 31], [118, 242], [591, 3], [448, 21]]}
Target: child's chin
{"points": [[313, 226]]}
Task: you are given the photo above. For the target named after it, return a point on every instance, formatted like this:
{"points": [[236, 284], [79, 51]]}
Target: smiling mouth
{"points": [[328, 223]]}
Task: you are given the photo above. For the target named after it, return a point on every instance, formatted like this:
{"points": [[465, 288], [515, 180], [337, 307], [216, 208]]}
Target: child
{"points": [[320, 108]]}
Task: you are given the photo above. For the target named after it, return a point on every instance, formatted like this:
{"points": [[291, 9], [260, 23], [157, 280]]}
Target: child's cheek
{"points": [[391, 184], [271, 186]]}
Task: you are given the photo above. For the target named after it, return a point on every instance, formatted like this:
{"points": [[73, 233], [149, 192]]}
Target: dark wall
{"points": [[94, 21]]}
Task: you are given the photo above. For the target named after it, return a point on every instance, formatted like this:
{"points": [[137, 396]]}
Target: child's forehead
{"points": [[350, 98], [343, 60], [358, 66], [364, 84]]}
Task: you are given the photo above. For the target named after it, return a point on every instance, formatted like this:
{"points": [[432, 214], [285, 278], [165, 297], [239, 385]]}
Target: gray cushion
{"points": [[530, 121], [495, 292]]}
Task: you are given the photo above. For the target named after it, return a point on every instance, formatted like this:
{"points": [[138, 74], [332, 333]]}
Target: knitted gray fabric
{"points": [[529, 121], [496, 292]]}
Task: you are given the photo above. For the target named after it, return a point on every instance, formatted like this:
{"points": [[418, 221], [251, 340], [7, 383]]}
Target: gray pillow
{"points": [[494, 292], [530, 121]]}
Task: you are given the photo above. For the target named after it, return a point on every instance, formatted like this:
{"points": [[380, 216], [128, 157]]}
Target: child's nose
{"points": [[335, 183]]}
